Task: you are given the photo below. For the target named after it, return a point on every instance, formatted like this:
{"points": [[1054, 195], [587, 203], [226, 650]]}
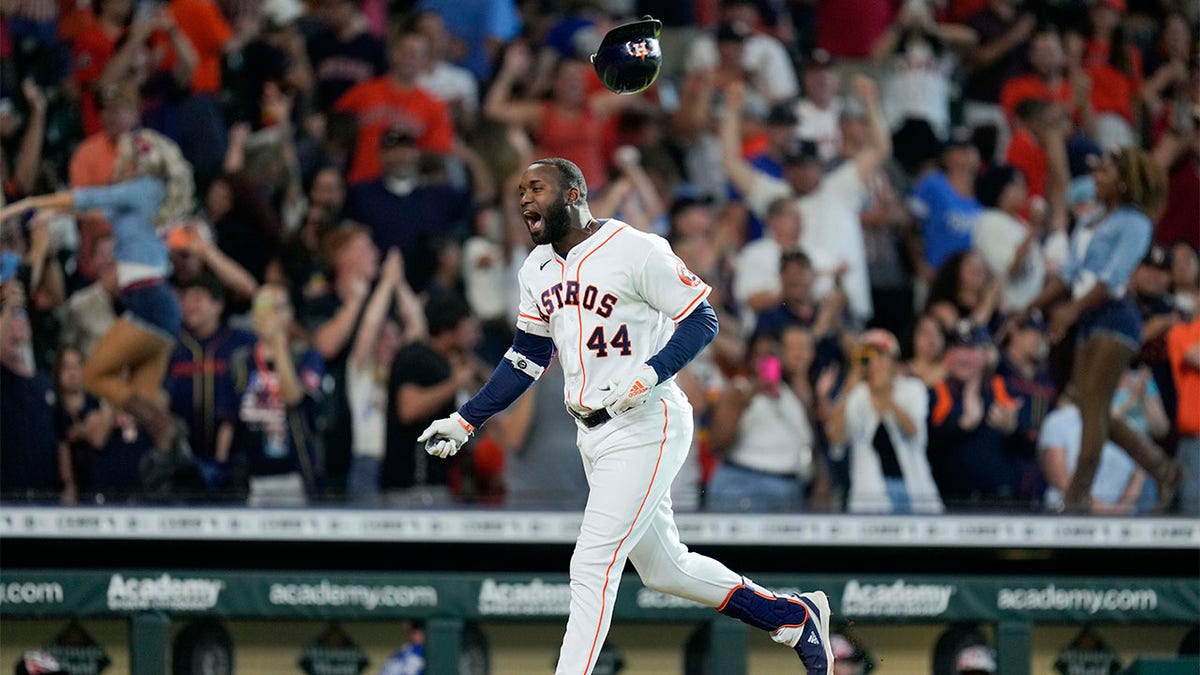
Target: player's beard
{"points": [[556, 222]]}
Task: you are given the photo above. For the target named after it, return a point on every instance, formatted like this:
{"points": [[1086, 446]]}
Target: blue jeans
{"points": [[362, 484], [898, 494], [737, 488], [1188, 455]]}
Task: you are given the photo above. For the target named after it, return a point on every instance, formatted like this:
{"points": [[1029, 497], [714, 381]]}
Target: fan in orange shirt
{"points": [[395, 100], [1048, 80]]}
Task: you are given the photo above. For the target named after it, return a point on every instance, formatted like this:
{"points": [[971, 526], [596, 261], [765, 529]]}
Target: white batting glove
{"points": [[627, 394], [444, 437]]}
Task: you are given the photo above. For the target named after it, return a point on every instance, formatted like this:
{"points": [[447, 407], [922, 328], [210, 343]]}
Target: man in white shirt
{"points": [[452, 84], [763, 56], [829, 204], [820, 108], [756, 284]]}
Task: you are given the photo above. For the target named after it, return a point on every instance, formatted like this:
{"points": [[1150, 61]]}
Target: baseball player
{"points": [[624, 315]]}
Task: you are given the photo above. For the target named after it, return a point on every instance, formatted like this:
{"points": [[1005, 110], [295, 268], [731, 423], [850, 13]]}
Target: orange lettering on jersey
{"points": [[571, 295]]}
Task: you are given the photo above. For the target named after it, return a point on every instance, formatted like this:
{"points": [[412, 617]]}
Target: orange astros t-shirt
{"points": [[1031, 86], [381, 104], [1187, 379], [201, 21]]}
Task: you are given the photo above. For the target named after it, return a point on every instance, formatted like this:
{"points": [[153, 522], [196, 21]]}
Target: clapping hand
{"points": [[1004, 417]]}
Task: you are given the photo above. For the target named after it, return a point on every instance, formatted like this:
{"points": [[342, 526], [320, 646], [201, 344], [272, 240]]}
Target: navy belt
{"points": [[593, 419]]}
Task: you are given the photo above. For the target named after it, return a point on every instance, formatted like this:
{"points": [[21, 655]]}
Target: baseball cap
{"points": [[206, 281], [975, 659], [882, 341], [397, 136], [782, 113], [732, 31], [819, 58], [1158, 258], [686, 200], [959, 137], [967, 334], [281, 13], [801, 151], [991, 183], [121, 93]]}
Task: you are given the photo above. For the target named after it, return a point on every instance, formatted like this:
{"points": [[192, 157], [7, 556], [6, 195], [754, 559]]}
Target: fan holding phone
{"points": [[762, 433], [879, 418]]}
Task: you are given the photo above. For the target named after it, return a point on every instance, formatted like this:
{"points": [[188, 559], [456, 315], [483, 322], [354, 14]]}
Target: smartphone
{"points": [[770, 370]]}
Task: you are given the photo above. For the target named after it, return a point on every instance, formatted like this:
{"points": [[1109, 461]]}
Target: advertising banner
{"points": [[360, 596]]}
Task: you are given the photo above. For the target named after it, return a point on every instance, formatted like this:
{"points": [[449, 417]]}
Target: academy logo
{"points": [[517, 599], [164, 592], [895, 599], [1090, 600], [686, 276], [31, 593], [368, 596]]}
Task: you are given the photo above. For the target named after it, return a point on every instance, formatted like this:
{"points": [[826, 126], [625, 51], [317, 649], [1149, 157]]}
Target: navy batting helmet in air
{"points": [[629, 57]]}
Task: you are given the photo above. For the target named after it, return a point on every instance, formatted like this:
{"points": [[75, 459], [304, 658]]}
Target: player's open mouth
{"points": [[533, 220]]}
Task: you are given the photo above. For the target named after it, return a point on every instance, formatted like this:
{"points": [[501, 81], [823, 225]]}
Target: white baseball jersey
{"points": [[610, 305]]}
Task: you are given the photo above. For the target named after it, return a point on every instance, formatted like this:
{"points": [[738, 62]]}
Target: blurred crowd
{"points": [[872, 187]]}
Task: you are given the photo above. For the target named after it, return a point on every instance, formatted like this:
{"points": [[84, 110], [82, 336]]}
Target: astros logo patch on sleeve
{"points": [[686, 276]]}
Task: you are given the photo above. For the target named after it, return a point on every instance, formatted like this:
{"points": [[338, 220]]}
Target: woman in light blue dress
{"points": [[151, 186], [1105, 248]]}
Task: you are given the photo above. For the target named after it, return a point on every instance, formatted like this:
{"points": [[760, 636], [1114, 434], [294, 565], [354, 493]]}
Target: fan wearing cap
{"points": [[879, 418], [830, 204], [1093, 287], [975, 660], [973, 423], [1151, 290], [199, 379], [761, 55], [152, 185], [403, 210], [944, 202], [820, 108], [1024, 366]]}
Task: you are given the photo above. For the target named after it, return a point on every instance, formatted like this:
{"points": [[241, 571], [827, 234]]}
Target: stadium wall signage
{"points": [[362, 596]]}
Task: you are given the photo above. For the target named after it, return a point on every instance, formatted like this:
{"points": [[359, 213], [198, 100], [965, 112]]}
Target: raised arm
{"points": [[500, 105], [29, 156], [879, 145], [373, 315], [743, 176]]}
